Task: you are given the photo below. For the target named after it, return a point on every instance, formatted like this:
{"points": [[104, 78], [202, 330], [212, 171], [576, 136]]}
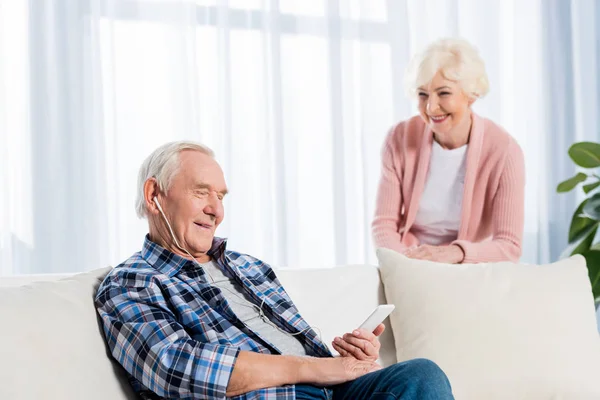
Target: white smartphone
{"points": [[377, 317]]}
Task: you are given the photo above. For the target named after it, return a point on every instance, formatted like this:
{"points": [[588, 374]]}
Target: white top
{"points": [[438, 217]]}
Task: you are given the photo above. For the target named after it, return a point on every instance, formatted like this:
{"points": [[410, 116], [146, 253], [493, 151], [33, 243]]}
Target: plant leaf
{"points": [[582, 242], [592, 259], [585, 154], [579, 222], [570, 183], [588, 188], [591, 209]]}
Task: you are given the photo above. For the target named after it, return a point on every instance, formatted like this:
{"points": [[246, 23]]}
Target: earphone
{"points": [[258, 309]]}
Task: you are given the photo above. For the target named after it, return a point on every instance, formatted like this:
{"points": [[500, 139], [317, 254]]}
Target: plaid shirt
{"points": [[176, 335]]}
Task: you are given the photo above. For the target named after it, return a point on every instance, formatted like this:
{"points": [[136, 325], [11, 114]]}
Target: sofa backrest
{"points": [[337, 300], [20, 280], [52, 345]]}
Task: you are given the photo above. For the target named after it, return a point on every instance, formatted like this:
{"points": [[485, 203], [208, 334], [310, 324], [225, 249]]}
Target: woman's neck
{"points": [[457, 137]]}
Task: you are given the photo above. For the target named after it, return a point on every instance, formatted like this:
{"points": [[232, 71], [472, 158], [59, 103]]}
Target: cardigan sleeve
{"points": [[507, 215], [388, 207]]}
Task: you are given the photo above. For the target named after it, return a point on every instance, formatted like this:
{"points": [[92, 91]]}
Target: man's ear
{"points": [[152, 191]]}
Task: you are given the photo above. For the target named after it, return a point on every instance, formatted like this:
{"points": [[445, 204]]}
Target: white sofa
{"points": [[52, 347], [57, 351]]}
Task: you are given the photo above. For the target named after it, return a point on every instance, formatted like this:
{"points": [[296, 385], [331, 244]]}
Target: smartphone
{"points": [[377, 317]]}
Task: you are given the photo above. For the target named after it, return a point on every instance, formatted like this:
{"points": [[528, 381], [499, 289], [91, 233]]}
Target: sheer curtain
{"points": [[294, 96]]}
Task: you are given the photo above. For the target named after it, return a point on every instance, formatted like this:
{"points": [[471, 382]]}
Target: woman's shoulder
{"points": [[496, 137], [498, 143], [406, 133]]}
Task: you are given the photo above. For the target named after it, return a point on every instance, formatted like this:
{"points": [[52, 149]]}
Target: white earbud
{"points": [[157, 204]]}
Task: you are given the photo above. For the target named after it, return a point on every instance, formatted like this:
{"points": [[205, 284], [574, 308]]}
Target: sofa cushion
{"points": [[498, 330], [337, 300], [52, 345]]}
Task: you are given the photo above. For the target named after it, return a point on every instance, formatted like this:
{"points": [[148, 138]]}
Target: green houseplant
{"points": [[586, 218]]}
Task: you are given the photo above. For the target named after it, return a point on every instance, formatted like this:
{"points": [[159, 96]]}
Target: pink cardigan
{"points": [[491, 227]]}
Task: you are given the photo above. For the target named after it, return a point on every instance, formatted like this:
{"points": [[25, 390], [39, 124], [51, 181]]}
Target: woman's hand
{"points": [[452, 254]]}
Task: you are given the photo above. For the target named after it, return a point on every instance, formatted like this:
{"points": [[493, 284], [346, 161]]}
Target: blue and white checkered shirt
{"points": [[176, 335]]}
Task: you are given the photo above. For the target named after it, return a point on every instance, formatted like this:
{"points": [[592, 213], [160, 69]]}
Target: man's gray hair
{"points": [[163, 165]]}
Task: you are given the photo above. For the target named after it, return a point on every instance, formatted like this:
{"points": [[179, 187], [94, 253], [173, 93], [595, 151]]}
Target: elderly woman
{"points": [[452, 182]]}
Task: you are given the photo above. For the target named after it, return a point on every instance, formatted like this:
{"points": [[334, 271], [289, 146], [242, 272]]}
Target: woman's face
{"points": [[444, 106]]}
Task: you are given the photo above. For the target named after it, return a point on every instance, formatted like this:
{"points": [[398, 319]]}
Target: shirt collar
{"points": [[170, 263]]}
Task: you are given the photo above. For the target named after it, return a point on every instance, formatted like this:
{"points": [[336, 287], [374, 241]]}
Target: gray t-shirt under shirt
{"points": [[243, 308]]}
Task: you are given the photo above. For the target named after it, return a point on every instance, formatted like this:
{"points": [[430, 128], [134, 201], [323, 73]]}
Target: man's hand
{"points": [[333, 371], [452, 254], [360, 344], [254, 371]]}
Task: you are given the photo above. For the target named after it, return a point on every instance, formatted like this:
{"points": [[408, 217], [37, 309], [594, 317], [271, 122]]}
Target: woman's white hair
{"points": [[162, 165], [456, 59]]}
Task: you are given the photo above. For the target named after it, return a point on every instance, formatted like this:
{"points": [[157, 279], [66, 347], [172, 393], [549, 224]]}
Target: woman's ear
{"points": [[471, 100]]}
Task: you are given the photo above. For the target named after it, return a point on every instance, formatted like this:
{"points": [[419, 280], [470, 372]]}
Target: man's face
{"points": [[194, 201]]}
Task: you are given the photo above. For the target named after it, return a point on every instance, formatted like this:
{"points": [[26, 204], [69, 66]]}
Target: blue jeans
{"points": [[410, 380]]}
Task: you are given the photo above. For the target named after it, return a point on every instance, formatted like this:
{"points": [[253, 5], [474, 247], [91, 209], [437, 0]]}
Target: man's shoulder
{"points": [[133, 272]]}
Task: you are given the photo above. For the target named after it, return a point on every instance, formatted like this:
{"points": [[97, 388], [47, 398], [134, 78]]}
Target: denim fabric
{"points": [[418, 379]]}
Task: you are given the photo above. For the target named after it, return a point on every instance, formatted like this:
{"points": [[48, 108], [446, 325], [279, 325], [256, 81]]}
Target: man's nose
{"points": [[214, 205]]}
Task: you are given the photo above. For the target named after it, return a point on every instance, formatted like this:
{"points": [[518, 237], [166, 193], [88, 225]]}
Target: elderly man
{"points": [[189, 319]]}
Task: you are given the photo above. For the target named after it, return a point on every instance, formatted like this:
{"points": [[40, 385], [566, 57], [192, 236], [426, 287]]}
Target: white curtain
{"points": [[294, 96]]}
